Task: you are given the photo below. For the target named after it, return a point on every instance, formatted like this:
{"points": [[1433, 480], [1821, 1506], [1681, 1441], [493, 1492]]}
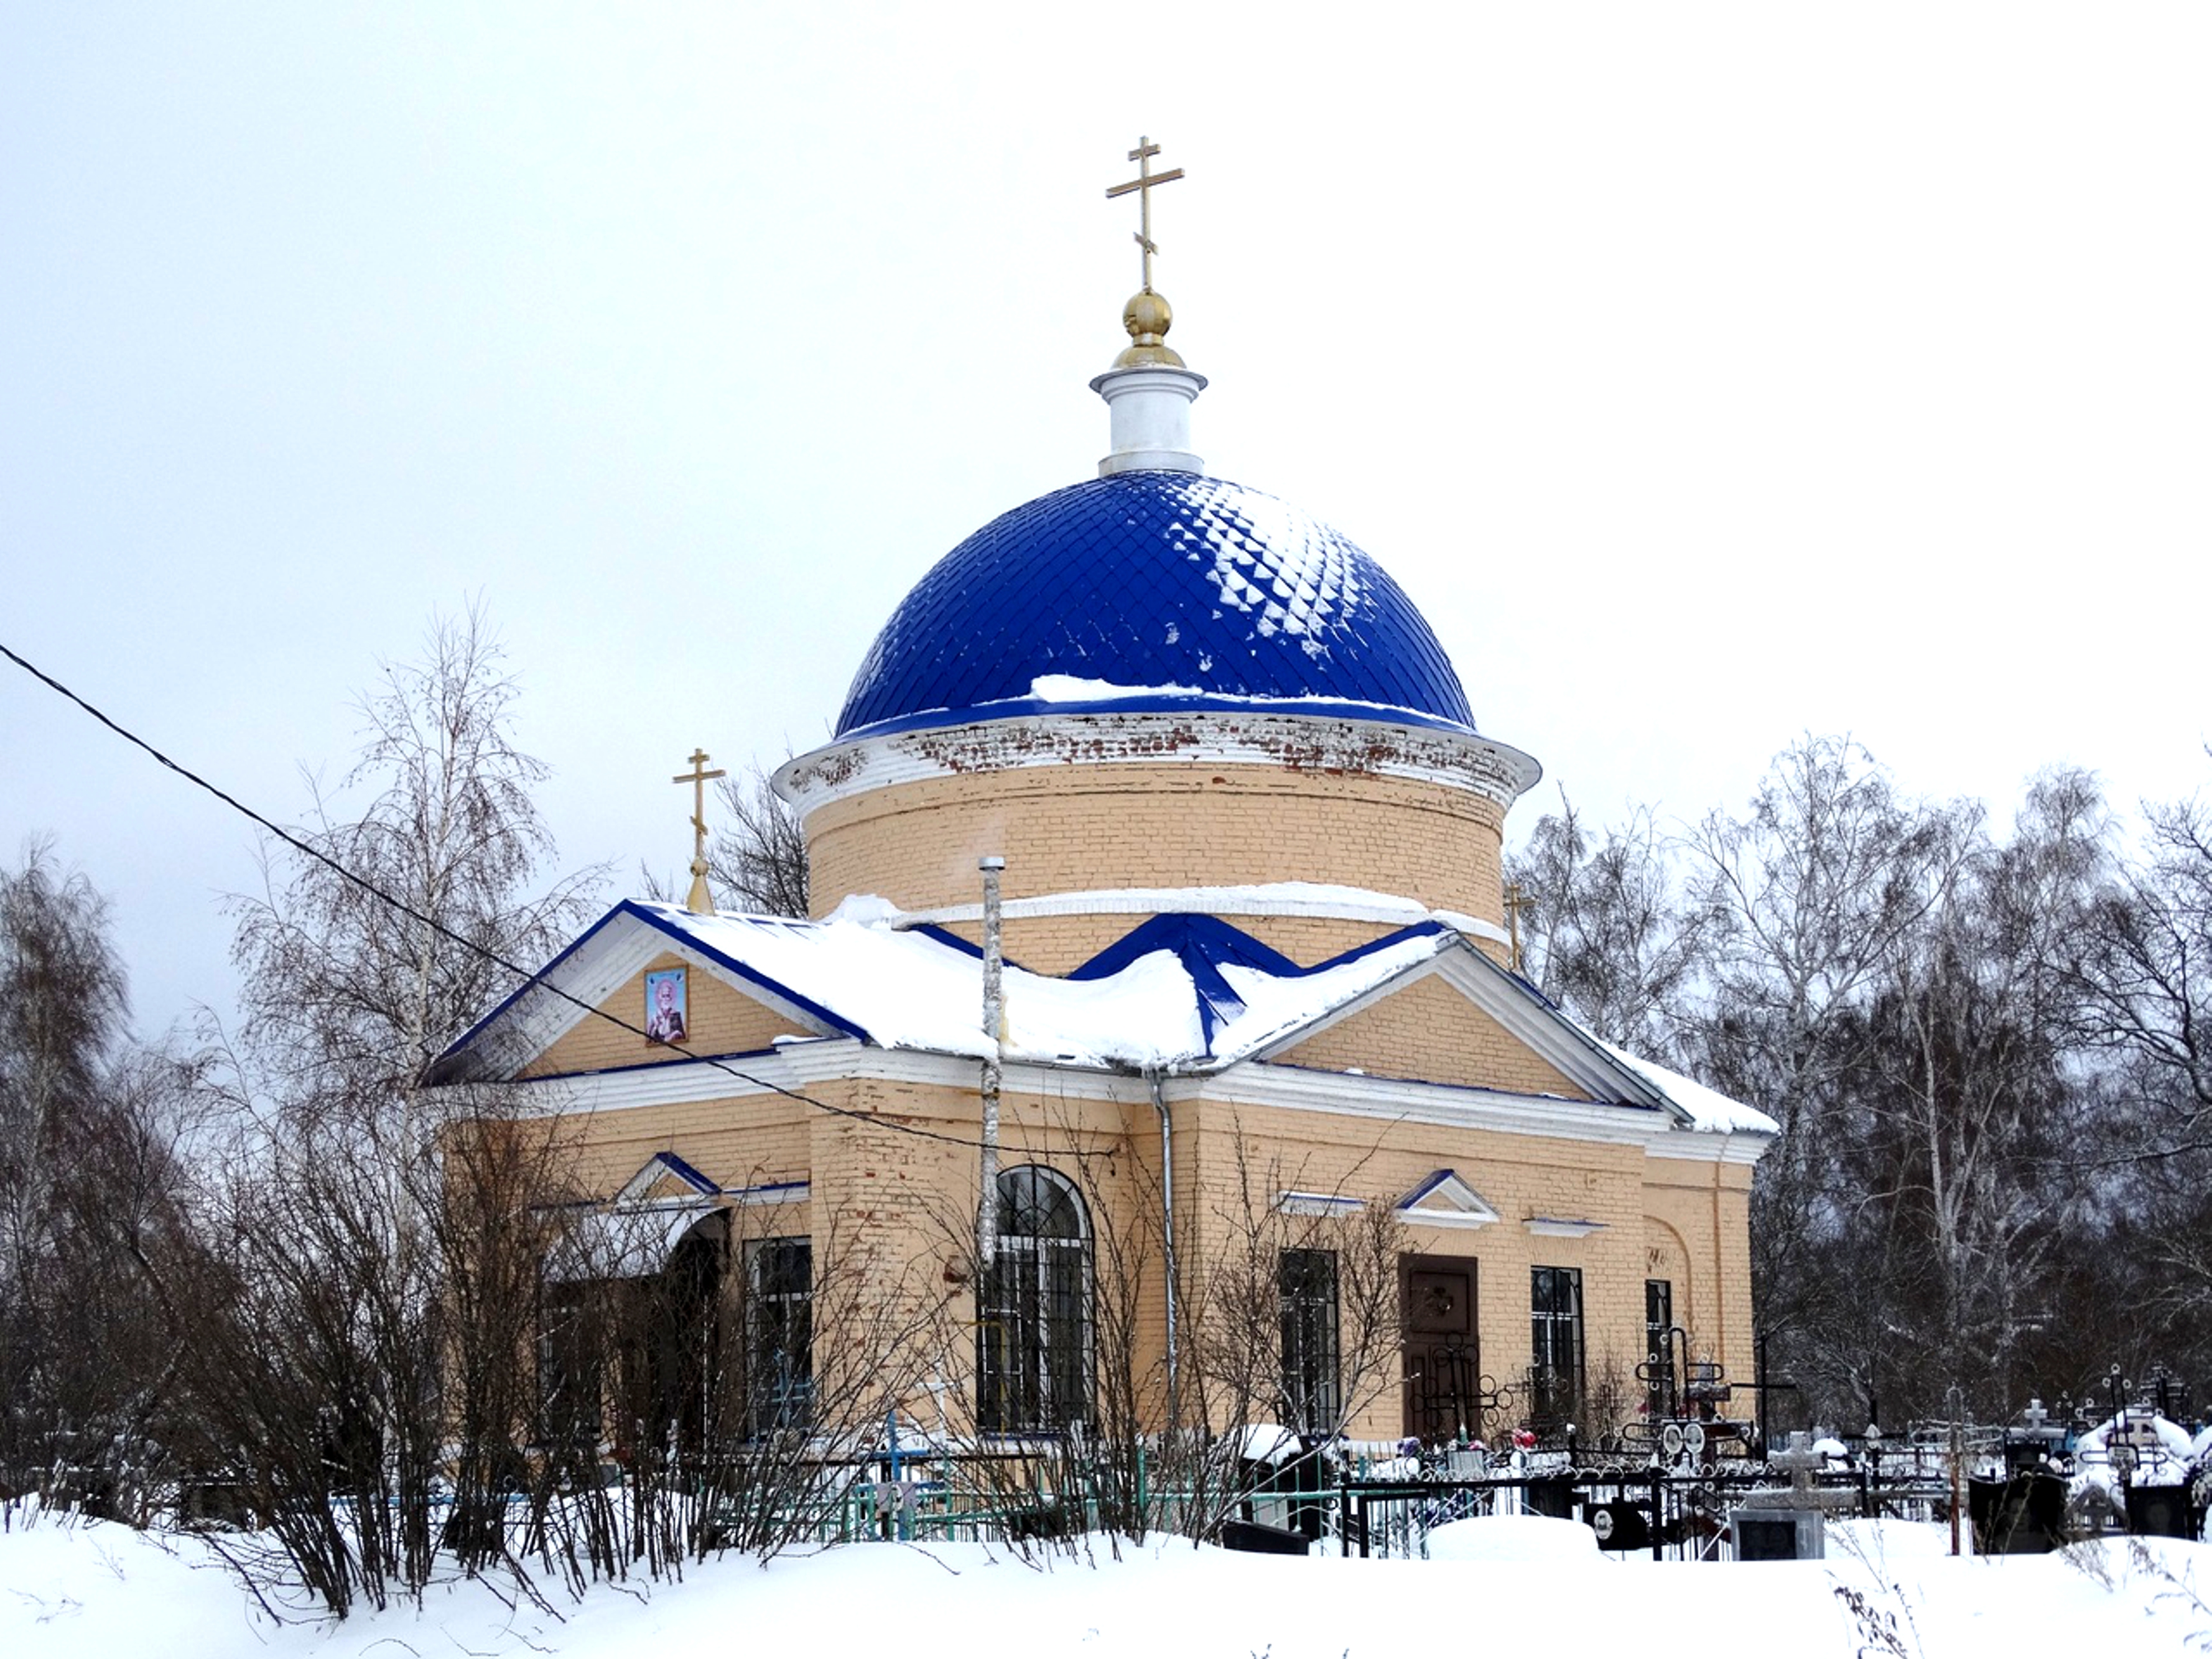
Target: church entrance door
{"points": [[1444, 1370]]}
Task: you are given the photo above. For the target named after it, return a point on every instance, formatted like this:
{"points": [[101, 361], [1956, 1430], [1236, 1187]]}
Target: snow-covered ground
{"points": [[94, 1591]]}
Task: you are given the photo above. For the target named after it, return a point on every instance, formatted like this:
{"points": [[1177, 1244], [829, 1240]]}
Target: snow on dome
{"points": [[1153, 589]]}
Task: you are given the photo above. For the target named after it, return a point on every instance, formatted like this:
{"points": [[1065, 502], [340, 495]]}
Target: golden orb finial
{"points": [[1148, 317]]}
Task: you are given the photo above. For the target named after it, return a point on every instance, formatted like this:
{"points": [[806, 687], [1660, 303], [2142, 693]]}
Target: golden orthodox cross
{"points": [[1142, 183], [701, 903], [1516, 902]]}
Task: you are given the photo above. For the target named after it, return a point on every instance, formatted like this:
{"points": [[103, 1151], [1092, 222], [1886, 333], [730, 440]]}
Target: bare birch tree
{"points": [[1610, 936]]}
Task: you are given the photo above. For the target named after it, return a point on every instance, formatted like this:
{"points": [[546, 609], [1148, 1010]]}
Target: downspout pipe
{"points": [[1167, 1226]]}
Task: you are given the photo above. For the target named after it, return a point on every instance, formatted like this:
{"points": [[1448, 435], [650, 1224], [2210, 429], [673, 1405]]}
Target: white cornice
{"points": [[1545, 1226], [1297, 1089], [672, 1083], [801, 1068], [1445, 1105], [1741, 1146], [1326, 744]]}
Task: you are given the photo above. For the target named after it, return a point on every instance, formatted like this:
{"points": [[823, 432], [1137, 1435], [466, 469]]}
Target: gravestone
{"points": [[1619, 1524], [1258, 1538], [2022, 1514], [1785, 1526], [2162, 1512]]}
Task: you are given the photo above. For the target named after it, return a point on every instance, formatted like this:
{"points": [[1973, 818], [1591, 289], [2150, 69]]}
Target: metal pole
{"points": [[986, 1211], [1955, 1399], [1764, 1394], [1167, 1234]]}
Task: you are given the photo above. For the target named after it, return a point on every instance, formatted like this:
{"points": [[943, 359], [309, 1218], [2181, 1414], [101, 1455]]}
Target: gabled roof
{"points": [[1183, 993]]}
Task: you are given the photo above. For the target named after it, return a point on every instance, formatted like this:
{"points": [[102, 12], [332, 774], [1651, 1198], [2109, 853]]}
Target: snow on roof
{"points": [[1181, 992], [1709, 1110], [1176, 993]]}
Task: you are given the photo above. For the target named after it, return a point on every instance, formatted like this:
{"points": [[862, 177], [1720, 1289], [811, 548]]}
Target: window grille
{"points": [[568, 1380], [1033, 1331], [779, 1334], [1312, 1393], [1555, 1319]]}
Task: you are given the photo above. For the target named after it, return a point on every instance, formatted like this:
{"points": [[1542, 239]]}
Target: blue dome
{"points": [[1153, 591]]}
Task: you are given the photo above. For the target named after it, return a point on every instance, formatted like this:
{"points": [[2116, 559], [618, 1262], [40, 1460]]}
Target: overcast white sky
{"points": [[1707, 374]]}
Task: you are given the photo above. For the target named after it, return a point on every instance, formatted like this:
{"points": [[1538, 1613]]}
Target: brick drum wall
{"points": [[1078, 828]]}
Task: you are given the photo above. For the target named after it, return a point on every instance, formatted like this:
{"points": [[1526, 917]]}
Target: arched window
{"points": [[1033, 1339]]}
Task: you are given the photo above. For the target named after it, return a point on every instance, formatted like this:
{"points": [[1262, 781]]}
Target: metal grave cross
{"points": [[1142, 184]]}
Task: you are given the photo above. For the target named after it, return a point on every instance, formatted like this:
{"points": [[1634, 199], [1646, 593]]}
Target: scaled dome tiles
{"points": [[1153, 591]]}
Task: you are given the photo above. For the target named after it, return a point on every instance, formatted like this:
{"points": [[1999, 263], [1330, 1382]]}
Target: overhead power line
{"points": [[526, 975]]}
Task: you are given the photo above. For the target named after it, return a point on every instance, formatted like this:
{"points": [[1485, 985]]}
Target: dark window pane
{"points": [[1555, 1322], [780, 1335], [1312, 1398], [1033, 1325]]}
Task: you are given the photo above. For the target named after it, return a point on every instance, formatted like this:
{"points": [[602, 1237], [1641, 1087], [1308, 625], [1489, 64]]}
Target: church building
{"points": [[1178, 784]]}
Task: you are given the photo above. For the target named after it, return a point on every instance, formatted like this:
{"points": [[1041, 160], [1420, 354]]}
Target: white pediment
{"points": [[1445, 1201]]}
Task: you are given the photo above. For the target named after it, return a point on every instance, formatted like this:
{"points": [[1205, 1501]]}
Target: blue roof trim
{"points": [[1424, 1188], [686, 1173], [632, 908], [1204, 945], [1635, 1083], [946, 935], [469, 1037], [1155, 579], [1193, 937], [803, 1183]]}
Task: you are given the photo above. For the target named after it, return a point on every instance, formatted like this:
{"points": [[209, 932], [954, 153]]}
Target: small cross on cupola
{"points": [[1143, 184], [1147, 316]]}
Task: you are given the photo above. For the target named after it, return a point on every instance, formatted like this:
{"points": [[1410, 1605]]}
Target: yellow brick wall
{"points": [[892, 1213], [723, 1021], [1075, 828], [1520, 1176], [1709, 1207], [746, 1142], [1430, 1032]]}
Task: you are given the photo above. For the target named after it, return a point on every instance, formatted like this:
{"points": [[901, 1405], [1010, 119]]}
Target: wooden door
{"points": [[1444, 1370]]}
